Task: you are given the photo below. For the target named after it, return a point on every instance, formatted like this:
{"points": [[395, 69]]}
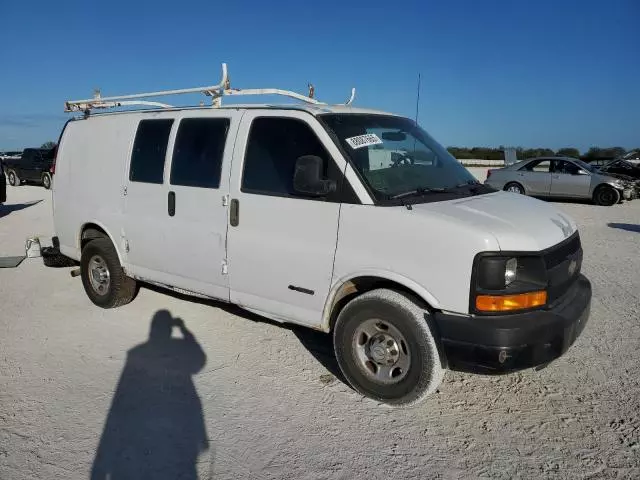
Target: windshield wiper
{"points": [[417, 191], [473, 184]]}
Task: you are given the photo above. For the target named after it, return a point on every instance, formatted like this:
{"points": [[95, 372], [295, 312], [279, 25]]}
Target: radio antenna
{"points": [[418, 99]]}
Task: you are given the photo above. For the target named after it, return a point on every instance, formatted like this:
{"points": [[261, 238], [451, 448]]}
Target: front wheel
{"points": [[46, 181], [103, 279], [606, 196], [514, 187], [14, 181], [385, 348]]}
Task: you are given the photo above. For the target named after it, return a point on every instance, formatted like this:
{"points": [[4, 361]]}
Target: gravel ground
{"points": [[245, 398]]}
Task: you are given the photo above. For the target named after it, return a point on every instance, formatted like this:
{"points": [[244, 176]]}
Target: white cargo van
{"points": [[341, 219]]}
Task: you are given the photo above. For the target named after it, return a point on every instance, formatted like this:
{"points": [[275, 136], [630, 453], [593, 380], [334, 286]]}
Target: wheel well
{"points": [[514, 182], [91, 232], [604, 185], [359, 285]]}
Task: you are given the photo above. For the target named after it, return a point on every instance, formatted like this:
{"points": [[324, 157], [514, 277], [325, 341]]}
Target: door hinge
{"points": [[124, 190], [225, 200], [225, 267]]}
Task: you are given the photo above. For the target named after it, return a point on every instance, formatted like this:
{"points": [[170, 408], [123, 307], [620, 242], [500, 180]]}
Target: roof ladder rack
{"points": [[216, 92]]}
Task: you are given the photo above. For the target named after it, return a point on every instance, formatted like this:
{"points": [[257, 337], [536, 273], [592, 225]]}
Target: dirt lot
{"points": [[265, 403]]}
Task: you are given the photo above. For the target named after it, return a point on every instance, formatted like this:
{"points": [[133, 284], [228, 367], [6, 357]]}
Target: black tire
{"points": [[606, 196], [514, 187], [51, 257], [13, 178], [395, 311], [120, 289], [46, 180]]}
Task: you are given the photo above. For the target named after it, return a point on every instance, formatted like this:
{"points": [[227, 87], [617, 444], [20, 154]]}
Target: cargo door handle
{"points": [[171, 207], [234, 214]]}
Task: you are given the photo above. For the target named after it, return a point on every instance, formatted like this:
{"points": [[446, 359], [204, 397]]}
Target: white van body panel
{"points": [[184, 251], [282, 242], [89, 180], [197, 230], [518, 222], [433, 244], [426, 249]]}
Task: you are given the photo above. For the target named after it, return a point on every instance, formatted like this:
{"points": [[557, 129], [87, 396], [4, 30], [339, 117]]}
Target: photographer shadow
{"points": [[155, 428]]}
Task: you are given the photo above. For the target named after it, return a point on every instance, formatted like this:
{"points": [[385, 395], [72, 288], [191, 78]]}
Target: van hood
{"points": [[518, 222]]}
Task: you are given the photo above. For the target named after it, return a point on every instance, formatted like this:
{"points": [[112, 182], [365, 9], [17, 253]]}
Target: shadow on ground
{"points": [[319, 344], [629, 227], [155, 427], [16, 207]]}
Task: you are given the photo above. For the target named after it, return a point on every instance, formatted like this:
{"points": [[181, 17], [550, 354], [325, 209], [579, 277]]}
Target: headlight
{"points": [[506, 283], [510, 270]]}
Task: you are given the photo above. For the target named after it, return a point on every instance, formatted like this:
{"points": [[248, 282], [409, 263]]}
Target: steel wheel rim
{"points": [[381, 351], [99, 275]]}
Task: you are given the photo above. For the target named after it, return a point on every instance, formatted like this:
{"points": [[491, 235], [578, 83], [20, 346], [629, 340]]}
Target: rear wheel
{"points": [[606, 196], [385, 348], [514, 187], [103, 278], [46, 181], [14, 181]]}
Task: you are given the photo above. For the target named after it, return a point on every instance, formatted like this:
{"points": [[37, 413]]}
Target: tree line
{"points": [[488, 153]]}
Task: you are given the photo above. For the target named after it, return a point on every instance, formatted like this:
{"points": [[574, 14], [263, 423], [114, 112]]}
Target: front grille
{"points": [[557, 254], [561, 274]]}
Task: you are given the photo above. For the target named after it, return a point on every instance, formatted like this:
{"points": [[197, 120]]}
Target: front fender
{"points": [[408, 283]]}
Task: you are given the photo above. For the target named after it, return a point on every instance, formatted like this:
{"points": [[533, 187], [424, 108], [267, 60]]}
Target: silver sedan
{"points": [[559, 177]]}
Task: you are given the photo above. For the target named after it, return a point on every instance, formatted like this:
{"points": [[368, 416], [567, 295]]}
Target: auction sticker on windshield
{"points": [[363, 140]]}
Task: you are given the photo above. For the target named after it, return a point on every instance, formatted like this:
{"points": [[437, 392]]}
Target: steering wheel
{"points": [[402, 159]]}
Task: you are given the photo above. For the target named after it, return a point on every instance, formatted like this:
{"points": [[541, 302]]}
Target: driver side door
{"points": [[281, 245]]}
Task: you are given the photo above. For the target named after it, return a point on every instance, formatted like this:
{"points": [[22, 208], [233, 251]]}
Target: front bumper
{"points": [[506, 343]]}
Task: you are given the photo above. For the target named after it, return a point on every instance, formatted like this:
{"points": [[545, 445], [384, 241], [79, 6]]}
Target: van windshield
{"points": [[398, 160]]}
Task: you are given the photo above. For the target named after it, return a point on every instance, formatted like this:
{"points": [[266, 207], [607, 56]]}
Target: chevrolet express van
{"points": [[349, 221]]}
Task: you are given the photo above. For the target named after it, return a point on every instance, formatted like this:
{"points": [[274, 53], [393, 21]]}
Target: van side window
{"points": [[149, 150], [197, 156], [272, 150]]}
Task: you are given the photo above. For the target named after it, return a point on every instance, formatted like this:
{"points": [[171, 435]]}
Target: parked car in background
{"points": [[10, 155], [3, 184], [623, 170], [560, 177], [618, 166], [35, 165]]}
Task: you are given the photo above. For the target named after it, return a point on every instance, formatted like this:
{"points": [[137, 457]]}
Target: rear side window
{"points": [[198, 151], [540, 166], [273, 148], [149, 150]]}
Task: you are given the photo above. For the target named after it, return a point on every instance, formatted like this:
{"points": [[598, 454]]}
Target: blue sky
{"points": [[547, 73]]}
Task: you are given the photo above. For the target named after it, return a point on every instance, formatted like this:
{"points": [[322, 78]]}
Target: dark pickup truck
{"points": [[35, 166], [3, 184]]}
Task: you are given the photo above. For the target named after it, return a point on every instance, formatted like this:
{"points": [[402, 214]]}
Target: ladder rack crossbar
{"points": [[215, 91]]}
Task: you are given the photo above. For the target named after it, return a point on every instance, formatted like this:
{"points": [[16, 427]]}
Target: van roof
{"points": [[313, 109]]}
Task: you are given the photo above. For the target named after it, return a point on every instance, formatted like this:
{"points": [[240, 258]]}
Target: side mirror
{"points": [[582, 172], [307, 177]]}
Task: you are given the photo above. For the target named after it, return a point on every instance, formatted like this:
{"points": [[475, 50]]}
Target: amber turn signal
{"points": [[507, 303]]}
